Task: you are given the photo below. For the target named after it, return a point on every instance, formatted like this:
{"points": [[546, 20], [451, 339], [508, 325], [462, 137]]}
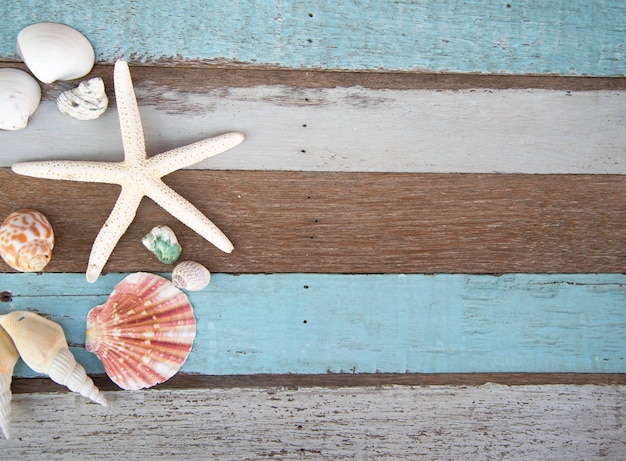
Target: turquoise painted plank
{"points": [[577, 37], [314, 323]]}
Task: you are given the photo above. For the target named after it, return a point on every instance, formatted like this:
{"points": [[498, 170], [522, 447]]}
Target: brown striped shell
{"points": [[143, 333], [26, 240]]}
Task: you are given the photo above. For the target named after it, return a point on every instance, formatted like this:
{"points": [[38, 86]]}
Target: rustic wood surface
{"points": [[488, 422], [187, 78], [290, 125], [294, 381], [521, 37], [354, 223]]}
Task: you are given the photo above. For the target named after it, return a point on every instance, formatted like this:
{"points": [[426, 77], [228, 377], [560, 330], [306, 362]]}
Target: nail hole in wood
{"points": [[6, 296]]}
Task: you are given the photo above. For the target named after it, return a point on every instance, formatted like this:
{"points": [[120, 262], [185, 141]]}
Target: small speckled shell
{"points": [[8, 358], [163, 244], [143, 333], [191, 276], [26, 240], [87, 101]]}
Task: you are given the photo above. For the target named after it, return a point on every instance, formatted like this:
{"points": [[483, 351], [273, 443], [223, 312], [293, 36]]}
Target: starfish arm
{"points": [[128, 112], [175, 159], [185, 212], [115, 226], [68, 170]]}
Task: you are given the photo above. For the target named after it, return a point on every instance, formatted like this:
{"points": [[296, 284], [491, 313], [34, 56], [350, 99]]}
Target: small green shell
{"points": [[162, 242]]}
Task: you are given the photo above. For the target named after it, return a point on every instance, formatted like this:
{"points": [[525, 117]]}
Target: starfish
{"points": [[138, 175]]}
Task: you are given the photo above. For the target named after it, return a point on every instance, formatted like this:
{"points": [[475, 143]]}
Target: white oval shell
{"points": [[191, 276], [55, 51], [19, 98], [87, 101]]}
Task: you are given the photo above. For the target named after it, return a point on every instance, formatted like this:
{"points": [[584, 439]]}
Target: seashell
{"points": [[143, 333], [191, 275], [55, 51], [26, 240], [8, 359], [162, 242], [42, 345], [19, 98], [87, 101]]}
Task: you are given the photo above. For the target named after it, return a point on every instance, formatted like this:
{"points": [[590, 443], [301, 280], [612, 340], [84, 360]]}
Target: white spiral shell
{"points": [[8, 359], [55, 51], [19, 98], [42, 345], [87, 101], [191, 276]]}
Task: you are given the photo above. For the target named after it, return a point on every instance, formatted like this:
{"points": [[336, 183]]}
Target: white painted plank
{"points": [[439, 422], [355, 129]]}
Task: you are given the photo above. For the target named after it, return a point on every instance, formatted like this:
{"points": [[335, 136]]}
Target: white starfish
{"points": [[138, 175]]}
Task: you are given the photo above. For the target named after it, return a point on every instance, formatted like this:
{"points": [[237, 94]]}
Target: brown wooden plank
{"points": [[354, 222], [332, 380], [204, 78]]}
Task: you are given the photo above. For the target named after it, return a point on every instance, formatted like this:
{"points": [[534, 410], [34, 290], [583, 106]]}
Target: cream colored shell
{"points": [[42, 345], [8, 358]]}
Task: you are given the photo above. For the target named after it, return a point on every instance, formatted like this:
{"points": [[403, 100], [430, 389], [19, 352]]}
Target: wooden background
{"points": [[430, 199]]}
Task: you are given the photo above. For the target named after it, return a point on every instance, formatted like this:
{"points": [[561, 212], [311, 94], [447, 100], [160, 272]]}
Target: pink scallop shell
{"points": [[143, 333]]}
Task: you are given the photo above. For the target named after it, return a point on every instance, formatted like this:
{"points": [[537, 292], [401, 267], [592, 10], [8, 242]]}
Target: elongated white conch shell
{"points": [[26, 240], [87, 101], [191, 276], [19, 98], [42, 345], [8, 359], [55, 51]]}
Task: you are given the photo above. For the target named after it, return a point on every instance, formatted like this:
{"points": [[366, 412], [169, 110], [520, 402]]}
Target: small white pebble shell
{"points": [[55, 51], [19, 98], [191, 276], [87, 101]]}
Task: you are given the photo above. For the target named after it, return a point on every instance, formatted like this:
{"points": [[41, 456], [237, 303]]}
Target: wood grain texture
{"points": [[354, 222], [521, 37], [479, 130], [295, 381], [372, 324], [438, 422]]}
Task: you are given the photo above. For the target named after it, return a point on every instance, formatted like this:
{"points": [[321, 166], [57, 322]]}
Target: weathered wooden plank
{"points": [[353, 129], [521, 37], [354, 222], [438, 422], [318, 323], [182, 380]]}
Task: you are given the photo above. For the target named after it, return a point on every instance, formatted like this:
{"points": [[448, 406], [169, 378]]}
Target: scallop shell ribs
{"points": [[143, 333]]}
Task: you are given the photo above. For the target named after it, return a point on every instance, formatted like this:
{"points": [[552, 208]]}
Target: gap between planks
{"points": [[201, 79], [336, 380]]}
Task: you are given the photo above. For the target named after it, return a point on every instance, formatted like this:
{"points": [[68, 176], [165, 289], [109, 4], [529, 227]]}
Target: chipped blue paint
{"points": [[578, 37], [314, 323]]}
